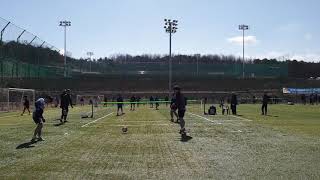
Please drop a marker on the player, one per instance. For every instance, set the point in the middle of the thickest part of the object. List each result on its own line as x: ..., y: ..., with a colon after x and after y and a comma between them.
x: 65, y: 102
x: 151, y: 101
x: 81, y: 101
x: 37, y: 117
x: 167, y: 100
x: 157, y: 102
x: 120, y: 104
x: 180, y: 103
x: 132, y: 104
x: 264, y: 107
x: 173, y: 109
x: 138, y: 101
x: 234, y: 103
x: 26, y: 105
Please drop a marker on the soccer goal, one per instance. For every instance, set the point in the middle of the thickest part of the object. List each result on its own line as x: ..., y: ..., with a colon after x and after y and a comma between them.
x: 96, y: 100
x: 12, y: 99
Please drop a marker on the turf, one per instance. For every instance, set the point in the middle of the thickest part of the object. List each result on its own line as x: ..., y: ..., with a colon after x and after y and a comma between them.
x: 284, y: 145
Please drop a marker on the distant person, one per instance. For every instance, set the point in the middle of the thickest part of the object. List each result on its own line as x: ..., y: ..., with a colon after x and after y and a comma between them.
x: 234, y: 104
x: 304, y: 99
x: 157, y: 103
x: 105, y: 103
x: 65, y: 102
x: 311, y: 99
x: 26, y: 105
x: 254, y: 100
x: 138, y: 101
x: 38, y: 118
x: 166, y: 99
x: 132, y: 103
x: 265, y: 101
x: 81, y: 101
x: 151, y: 101
x: 120, y: 105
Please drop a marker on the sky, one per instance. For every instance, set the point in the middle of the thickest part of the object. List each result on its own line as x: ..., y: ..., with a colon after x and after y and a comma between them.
x: 278, y: 28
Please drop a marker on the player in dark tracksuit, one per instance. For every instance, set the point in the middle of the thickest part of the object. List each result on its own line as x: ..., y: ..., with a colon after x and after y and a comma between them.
x: 37, y: 117
x: 234, y: 103
x: 264, y: 107
x: 133, y: 103
x: 180, y: 103
x: 26, y: 105
x: 120, y: 105
x: 65, y: 102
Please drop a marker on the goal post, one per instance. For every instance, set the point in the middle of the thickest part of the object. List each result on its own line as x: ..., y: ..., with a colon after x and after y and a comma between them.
x: 11, y: 99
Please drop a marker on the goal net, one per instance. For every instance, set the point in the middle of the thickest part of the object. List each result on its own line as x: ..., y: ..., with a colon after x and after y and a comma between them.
x: 12, y: 99
x: 83, y: 100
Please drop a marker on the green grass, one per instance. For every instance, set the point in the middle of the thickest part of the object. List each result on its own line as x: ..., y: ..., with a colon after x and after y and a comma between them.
x: 284, y: 145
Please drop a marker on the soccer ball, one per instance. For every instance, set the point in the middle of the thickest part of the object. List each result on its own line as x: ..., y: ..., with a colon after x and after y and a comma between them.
x: 124, y: 130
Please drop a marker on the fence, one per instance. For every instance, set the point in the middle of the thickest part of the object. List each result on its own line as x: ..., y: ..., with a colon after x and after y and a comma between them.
x: 25, y: 55
x: 202, y: 70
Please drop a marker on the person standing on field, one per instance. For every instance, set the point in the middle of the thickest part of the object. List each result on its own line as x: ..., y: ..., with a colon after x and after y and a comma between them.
x: 37, y: 117
x: 65, y: 102
x: 234, y: 103
x: 264, y: 107
x: 26, y: 105
x: 180, y: 103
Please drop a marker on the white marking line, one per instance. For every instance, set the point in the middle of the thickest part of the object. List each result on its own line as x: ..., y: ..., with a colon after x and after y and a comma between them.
x: 244, y: 119
x: 204, y: 118
x: 142, y: 125
x: 97, y: 120
x: 10, y: 116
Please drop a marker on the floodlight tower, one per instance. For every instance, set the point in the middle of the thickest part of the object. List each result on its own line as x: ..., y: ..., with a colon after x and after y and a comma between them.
x: 243, y: 28
x: 65, y: 24
x: 90, y: 54
x: 171, y: 28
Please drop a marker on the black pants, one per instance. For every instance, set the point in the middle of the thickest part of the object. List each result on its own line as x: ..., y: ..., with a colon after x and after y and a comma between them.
x: 264, y: 109
x: 234, y: 109
x: 64, y: 113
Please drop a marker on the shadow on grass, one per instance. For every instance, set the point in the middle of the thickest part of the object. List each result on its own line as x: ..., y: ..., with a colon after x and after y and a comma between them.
x: 59, y: 124
x: 186, y: 139
x: 26, y: 145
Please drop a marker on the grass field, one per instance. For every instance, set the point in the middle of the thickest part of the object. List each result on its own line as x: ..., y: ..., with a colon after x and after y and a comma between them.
x: 284, y: 145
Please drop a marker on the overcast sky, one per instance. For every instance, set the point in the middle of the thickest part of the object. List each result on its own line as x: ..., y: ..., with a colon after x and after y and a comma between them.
x: 278, y: 28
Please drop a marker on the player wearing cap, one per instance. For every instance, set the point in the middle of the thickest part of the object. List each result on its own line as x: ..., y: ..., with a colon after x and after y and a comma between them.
x: 65, y: 102
x: 37, y: 117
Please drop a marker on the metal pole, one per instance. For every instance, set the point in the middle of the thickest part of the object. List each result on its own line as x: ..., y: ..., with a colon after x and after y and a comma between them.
x: 170, y: 60
x: 2, y: 31
x: 20, y: 35
x: 32, y: 40
x: 65, y: 51
x: 243, y: 74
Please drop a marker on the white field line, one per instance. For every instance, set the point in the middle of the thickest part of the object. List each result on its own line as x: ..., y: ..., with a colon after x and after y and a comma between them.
x: 203, y: 118
x: 97, y: 120
x: 16, y: 115
x: 141, y: 125
x: 244, y: 119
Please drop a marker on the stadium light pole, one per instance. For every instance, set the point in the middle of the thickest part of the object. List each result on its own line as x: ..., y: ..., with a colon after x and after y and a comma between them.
x: 90, y: 54
x: 65, y: 24
x: 243, y: 28
x: 171, y: 28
